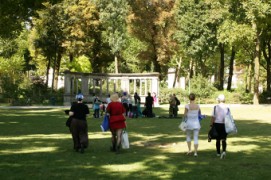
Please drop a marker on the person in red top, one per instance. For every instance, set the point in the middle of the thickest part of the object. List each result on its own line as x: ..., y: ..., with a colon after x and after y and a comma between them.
x: 116, y: 111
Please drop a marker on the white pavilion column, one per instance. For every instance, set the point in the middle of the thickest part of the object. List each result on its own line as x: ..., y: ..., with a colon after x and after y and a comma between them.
x: 125, y: 84
x: 84, y: 85
x: 140, y: 87
x: 107, y: 87
x: 101, y: 87
x: 115, y: 85
x: 146, y: 87
x: 154, y: 85
x: 134, y: 85
x: 94, y: 85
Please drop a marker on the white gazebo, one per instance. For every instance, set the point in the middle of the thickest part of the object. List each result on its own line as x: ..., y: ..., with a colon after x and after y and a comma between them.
x: 103, y: 84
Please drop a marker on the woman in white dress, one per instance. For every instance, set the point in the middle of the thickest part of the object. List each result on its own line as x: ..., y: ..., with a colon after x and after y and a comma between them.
x: 191, y: 113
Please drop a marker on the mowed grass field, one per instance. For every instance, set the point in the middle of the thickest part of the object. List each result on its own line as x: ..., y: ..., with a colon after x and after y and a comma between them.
x: 36, y: 144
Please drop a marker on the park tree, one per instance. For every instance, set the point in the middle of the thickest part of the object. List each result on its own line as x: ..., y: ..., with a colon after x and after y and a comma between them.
x: 113, y: 18
x: 233, y: 33
x: 257, y: 12
x: 133, y: 64
x: 152, y: 23
x: 16, y: 14
x: 14, y: 65
x: 265, y: 39
x: 47, y: 38
x: 196, y: 36
x: 82, y: 32
x: 266, y: 50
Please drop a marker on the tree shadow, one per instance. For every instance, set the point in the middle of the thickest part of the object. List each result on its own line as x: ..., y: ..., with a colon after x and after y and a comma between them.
x: 38, y: 145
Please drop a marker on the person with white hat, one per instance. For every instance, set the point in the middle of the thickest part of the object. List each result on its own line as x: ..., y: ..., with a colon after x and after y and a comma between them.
x: 217, y: 120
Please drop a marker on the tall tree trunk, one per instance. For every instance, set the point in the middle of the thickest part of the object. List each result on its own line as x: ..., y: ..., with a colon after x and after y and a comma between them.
x: 191, y: 69
x: 267, y: 57
x: 53, y: 75
x: 256, y: 65
x: 177, y: 72
x: 268, y: 70
x: 249, y: 78
x: 57, y: 68
x: 116, y: 65
x: 71, y: 57
x: 231, y: 69
x: 221, y: 69
x: 47, y: 73
x: 156, y: 65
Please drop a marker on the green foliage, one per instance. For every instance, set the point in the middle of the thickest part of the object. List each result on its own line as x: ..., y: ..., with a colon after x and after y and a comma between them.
x: 201, y: 87
x: 160, y: 32
x: 238, y: 96
x: 113, y: 17
x: 164, y: 93
x: 130, y: 54
x: 11, y: 76
x: 80, y: 64
x: 265, y: 97
x: 12, y: 24
x: 206, y: 93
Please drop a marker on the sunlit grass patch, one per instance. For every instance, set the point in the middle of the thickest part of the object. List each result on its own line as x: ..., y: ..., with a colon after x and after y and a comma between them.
x: 36, y: 144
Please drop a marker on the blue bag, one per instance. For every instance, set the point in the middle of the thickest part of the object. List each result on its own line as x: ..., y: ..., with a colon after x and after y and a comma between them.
x: 105, y: 123
x: 201, y: 116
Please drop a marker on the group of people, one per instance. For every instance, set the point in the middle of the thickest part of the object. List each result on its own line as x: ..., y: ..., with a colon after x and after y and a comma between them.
x: 79, y: 129
x: 131, y: 105
x: 116, y: 107
x: 192, y: 112
x: 117, y: 121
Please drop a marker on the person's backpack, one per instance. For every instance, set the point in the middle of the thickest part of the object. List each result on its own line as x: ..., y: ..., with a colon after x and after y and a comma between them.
x: 178, y: 101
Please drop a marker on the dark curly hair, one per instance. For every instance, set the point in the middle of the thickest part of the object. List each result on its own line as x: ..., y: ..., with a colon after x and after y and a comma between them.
x: 192, y: 96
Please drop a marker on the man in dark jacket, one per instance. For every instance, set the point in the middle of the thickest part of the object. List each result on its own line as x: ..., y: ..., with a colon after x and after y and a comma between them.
x: 149, y: 104
x: 78, y: 127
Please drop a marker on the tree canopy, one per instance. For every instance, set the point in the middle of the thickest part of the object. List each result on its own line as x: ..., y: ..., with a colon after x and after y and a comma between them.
x: 210, y: 38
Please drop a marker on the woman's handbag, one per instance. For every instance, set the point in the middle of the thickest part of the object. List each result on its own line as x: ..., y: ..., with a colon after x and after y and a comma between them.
x: 183, y: 125
x: 105, y: 123
x: 125, y: 140
x: 212, y: 134
x: 230, y: 126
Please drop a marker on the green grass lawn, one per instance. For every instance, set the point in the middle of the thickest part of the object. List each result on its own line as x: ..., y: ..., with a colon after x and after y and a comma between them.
x: 36, y: 144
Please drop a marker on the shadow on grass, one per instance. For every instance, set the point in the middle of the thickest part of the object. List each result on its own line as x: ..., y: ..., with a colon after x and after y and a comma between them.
x: 38, y: 145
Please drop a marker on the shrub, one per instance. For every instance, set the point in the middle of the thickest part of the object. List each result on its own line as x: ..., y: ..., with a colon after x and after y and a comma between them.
x: 265, y: 97
x: 181, y: 94
x: 201, y: 87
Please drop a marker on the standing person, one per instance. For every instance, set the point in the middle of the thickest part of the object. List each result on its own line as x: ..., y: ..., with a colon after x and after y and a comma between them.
x: 191, y: 112
x: 217, y: 120
x: 176, y: 109
x: 155, y: 99
x: 130, y: 105
x: 124, y: 101
x: 149, y: 105
x: 79, y: 129
x: 137, y: 101
x: 172, y: 105
x: 96, y: 106
x: 115, y: 109
x: 108, y: 100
